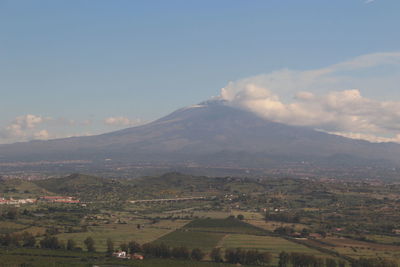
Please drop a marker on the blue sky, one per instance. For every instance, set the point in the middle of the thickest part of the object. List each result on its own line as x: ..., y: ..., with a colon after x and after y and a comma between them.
x: 85, y: 67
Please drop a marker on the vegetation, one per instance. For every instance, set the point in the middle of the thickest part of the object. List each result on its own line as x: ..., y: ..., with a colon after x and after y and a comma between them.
x: 276, y: 222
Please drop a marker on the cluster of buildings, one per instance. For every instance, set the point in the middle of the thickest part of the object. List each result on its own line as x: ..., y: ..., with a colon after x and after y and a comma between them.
x: 52, y: 199
x: 12, y: 201
x: 124, y: 255
x: 59, y: 199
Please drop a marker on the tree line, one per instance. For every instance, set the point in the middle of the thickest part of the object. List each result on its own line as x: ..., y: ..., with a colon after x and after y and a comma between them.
x: 305, y: 260
x: 161, y: 250
x: 28, y: 240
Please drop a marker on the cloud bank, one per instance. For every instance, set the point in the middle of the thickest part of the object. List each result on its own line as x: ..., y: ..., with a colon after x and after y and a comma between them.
x: 122, y: 121
x: 325, y: 98
x: 25, y: 128
x: 36, y: 127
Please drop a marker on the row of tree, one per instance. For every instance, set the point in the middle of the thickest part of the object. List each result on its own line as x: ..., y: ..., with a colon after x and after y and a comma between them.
x: 162, y: 250
x: 306, y: 260
x: 242, y: 256
x: 25, y: 239
x: 28, y: 240
x: 373, y: 262
x: 235, y: 256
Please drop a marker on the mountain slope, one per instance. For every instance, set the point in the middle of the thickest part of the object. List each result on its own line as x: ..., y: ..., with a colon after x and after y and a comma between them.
x: 211, y: 132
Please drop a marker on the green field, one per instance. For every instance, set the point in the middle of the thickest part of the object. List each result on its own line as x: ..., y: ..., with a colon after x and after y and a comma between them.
x: 9, y: 227
x: 266, y: 243
x: 47, y: 258
x: 204, y: 241
x: 227, y: 225
x: 123, y: 233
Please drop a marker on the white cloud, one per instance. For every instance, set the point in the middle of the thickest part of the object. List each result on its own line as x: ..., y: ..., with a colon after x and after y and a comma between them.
x: 369, y: 1
x: 322, y: 99
x: 24, y: 128
x: 122, y: 121
x: 34, y: 127
x: 42, y: 135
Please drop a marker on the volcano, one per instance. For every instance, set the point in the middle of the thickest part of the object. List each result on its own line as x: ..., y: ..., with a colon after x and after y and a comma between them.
x: 213, y: 133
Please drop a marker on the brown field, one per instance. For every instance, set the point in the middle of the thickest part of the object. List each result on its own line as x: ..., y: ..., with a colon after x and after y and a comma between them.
x: 272, y: 225
x: 356, y: 249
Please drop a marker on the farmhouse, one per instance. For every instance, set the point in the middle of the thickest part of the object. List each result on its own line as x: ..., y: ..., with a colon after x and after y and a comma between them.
x: 121, y: 255
x: 136, y: 256
x: 12, y: 201
x: 59, y: 199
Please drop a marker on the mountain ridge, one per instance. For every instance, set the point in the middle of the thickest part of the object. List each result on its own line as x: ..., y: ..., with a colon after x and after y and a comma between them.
x: 209, y: 132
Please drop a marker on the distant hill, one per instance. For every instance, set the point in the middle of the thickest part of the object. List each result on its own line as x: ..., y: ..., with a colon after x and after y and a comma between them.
x: 211, y: 134
x: 86, y: 187
x: 92, y: 188
x: 19, y: 186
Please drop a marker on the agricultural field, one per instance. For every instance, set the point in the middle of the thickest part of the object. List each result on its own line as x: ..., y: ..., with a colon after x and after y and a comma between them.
x: 272, y: 225
x: 272, y: 244
x: 354, y: 248
x: 34, y: 258
x: 190, y: 239
x: 227, y: 225
x: 308, y: 217
x: 9, y: 227
x: 124, y: 233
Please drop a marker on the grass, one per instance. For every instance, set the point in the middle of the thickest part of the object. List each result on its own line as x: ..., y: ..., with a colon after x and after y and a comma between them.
x: 39, y: 261
x: 224, y: 214
x: 62, y: 258
x: 385, y: 239
x: 123, y: 233
x: 265, y: 243
x: 227, y: 225
x: 9, y: 227
x: 356, y: 249
x: 271, y: 244
x: 272, y: 225
x: 204, y: 241
x: 35, y: 230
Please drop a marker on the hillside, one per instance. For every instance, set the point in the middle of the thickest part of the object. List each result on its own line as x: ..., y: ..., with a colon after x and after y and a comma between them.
x: 86, y: 187
x: 23, y: 187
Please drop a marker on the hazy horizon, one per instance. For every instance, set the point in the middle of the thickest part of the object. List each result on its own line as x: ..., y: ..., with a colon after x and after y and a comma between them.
x: 84, y: 68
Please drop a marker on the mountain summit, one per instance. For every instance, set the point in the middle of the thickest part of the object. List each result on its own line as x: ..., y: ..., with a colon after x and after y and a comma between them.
x: 210, y: 133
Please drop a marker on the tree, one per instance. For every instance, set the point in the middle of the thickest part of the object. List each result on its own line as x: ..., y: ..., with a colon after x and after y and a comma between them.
x: 305, y: 232
x: 71, y: 244
x: 265, y: 258
x: 163, y: 251
x: 330, y: 262
x: 124, y: 247
x: 251, y: 257
x: 50, y: 242
x: 12, y: 213
x: 28, y: 240
x: 215, y: 255
x: 110, y: 246
x: 180, y: 253
x: 197, y: 254
x: 89, y: 243
x: 286, y: 230
x: 240, y: 217
x: 235, y: 255
x: 230, y: 255
x: 283, y: 259
x: 134, y: 247
x: 11, y: 240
